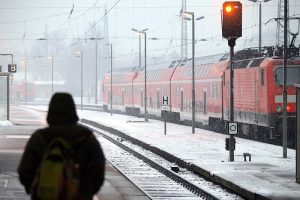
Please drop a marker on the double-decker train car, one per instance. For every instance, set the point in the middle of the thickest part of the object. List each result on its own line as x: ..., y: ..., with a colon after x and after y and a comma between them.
x: 258, y: 80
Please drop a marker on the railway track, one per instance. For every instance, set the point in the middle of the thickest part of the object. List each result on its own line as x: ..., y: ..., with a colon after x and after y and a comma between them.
x: 153, y: 174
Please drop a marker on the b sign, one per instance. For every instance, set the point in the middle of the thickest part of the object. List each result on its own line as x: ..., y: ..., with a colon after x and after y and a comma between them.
x: 165, y: 101
x: 12, y: 68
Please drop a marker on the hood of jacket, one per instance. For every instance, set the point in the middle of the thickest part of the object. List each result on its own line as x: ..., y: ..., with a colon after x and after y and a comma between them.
x: 62, y: 110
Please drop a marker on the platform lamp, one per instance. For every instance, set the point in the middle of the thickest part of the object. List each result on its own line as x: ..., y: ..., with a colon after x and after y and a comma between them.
x: 143, y: 32
x: 185, y: 14
x: 96, y: 65
x: 79, y: 53
x: 111, y: 78
x: 51, y: 58
x: 259, y: 27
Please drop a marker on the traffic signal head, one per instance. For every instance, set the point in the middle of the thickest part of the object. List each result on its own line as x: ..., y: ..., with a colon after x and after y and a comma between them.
x: 232, y: 19
x: 227, y: 140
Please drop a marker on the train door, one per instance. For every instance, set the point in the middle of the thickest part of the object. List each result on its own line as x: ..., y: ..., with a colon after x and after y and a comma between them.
x: 109, y: 96
x: 204, y: 103
x: 256, y: 98
x: 123, y: 97
x: 142, y: 95
x: 181, y: 101
x: 157, y: 99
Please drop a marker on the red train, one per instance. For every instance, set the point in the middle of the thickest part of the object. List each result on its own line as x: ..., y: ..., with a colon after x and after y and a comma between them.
x: 258, y: 79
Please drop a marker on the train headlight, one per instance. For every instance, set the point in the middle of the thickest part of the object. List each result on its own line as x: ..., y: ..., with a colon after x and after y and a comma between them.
x: 278, y: 108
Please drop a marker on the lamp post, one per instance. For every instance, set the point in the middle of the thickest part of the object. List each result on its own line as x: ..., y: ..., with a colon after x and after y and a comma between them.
x: 143, y: 32
x: 81, y: 77
x: 96, y: 67
x: 25, y: 80
x: 259, y: 27
x: 51, y: 58
x: 111, y: 78
x: 185, y: 13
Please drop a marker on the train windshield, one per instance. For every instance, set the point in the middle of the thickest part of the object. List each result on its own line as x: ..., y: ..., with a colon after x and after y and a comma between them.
x: 293, y: 75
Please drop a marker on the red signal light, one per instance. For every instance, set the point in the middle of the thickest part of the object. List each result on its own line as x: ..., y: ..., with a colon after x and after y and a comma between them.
x: 288, y: 108
x: 228, y: 8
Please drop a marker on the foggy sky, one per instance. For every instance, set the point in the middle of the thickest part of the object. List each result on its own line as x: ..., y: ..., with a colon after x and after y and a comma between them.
x: 32, y: 18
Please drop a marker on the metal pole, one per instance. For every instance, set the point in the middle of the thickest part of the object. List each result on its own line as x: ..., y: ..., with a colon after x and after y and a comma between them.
x: 146, y: 116
x: 165, y: 122
x: 193, y: 74
x: 25, y: 92
x: 96, y: 71
x: 284, y: 93
x: 7, y: 98
x: 231, y: 43
x: 140, y: 54
x: 81, y: 56
x: 298, y: 135
x: 12, y: 62
x: 8, y: 106
x: 259, y: 37
x: 111, y: 80
x: 52, y: 75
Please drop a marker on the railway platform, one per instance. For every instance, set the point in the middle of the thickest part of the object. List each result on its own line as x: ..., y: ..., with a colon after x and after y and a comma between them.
x: 13, y: 138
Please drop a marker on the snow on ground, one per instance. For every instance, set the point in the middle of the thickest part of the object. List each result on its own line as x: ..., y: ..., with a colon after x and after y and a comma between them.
x: 268, y: 174
x: 5, y: 123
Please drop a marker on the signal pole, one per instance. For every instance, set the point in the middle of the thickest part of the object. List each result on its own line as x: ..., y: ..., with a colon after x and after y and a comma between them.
x: 231, y: 43
x: 231, y: 29
x: 284, y: 93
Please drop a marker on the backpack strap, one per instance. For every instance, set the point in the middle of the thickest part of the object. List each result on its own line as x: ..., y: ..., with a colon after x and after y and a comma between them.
x: 51, y: 133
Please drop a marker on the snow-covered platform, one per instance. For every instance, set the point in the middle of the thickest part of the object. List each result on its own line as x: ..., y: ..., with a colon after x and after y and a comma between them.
x: 267, y: 176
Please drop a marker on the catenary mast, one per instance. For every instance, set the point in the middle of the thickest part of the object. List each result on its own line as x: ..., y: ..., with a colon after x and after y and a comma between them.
x: 183, y: 33
x: 280, y: 26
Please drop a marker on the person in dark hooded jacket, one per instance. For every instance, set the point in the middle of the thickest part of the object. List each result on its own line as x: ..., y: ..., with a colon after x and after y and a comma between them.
x: 62, y: 120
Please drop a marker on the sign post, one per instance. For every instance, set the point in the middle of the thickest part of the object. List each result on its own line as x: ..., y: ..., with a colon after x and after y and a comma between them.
x: 4, y: 100
x: 298, y: 134
x: 165, y: 107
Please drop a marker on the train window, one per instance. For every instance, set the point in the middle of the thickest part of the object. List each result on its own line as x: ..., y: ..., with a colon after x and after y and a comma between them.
x: 262, y: 77
x: 293, y: 74
x: 202, y: 70
x: 256, y: 62
x: 207, y: 67
x: 190, y: 73
x: 241, y: 64
x: 173, y: 64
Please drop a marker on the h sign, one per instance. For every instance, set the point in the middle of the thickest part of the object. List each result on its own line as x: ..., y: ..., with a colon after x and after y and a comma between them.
x: 165, y: 101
